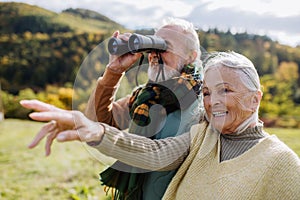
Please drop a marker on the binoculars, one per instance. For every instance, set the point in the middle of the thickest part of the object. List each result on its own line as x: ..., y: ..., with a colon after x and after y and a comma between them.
x: 136, y: 43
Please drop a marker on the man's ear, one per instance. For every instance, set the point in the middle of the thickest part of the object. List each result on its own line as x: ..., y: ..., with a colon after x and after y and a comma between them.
x: 192, y: 57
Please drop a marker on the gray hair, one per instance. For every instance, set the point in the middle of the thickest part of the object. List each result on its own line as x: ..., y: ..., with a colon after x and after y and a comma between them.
x: 188, y: 29
x: 247, y: 73
x: 242, y: 65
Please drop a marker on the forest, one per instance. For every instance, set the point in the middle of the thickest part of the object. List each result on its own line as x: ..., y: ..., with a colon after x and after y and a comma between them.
x: 57, y: 58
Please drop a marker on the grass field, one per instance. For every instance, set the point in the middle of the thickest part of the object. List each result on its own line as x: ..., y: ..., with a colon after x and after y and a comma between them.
x: 71, y: 172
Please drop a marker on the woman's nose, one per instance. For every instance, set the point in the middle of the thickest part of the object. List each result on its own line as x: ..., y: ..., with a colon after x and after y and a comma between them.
x: 214, y: 99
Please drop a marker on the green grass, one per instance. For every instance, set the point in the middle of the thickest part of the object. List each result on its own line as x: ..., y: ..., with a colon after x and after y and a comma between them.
x: 71, y: 172
x: 289, y: 136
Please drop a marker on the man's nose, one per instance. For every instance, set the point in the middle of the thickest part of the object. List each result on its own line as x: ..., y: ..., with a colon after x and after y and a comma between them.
x: 153, y: 53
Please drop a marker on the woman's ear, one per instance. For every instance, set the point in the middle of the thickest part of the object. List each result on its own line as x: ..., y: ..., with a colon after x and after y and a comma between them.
x: 256, y: 100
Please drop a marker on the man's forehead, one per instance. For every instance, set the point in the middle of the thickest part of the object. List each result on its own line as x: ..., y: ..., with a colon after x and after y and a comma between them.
x: 178, y: 40
x: 171, y: 32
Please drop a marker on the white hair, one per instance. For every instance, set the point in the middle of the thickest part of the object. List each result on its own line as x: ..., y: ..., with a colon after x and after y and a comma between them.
x: 242, y: 65
x: 247, y: 73
x: 188, y: 28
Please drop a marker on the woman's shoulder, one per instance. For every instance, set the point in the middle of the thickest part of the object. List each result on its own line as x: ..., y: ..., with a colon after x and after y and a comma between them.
x: 280, y: 150
x: 198, y: 128
x: 283, y: 167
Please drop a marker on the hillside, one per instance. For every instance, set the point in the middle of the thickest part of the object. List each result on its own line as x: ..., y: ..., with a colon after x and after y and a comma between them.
x: 41, y: 49
x: 35, y: 42
x: 20, y: 17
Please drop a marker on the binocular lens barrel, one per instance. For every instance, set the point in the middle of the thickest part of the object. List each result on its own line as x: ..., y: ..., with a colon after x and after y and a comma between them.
x: 117, y: 46
x: 136, y: 43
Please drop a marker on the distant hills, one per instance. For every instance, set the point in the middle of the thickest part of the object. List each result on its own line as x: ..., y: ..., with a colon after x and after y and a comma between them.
x: 40, y: 49
x: 20, y: 17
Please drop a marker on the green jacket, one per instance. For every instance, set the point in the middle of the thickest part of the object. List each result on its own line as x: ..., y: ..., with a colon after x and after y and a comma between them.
x: 178, y: 122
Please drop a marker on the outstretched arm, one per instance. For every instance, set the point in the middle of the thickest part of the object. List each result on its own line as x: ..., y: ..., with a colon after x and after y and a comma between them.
x: 63, y: 125
x: 138, y: 151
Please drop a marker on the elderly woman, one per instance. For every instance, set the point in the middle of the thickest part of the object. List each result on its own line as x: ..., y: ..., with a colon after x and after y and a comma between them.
x: 231, y: 157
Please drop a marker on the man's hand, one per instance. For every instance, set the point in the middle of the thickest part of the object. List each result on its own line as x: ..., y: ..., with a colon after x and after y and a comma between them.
x: 63, y: 125
x: 122, y: 63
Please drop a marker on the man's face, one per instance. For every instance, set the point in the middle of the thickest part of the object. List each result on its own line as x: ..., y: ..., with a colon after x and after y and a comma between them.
x: 171, y: 69
x: 173, y: 58
x: 226, y: 99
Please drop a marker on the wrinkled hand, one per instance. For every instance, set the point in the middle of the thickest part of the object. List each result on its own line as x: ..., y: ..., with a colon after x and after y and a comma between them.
x: 63, y: 125
x: 124, y: 62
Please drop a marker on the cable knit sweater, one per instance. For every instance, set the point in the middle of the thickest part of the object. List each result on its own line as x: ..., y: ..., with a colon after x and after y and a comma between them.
x: 268, y: 170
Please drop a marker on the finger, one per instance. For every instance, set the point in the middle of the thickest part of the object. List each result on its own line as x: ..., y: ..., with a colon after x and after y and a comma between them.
x: 125, y: 36
x: 67, y: 136
x: 137, y: 55
x: 65, y: 117
x: 49, y: 142
x: 116, y: 33
x: 41, y: 134
x: 38, y: 105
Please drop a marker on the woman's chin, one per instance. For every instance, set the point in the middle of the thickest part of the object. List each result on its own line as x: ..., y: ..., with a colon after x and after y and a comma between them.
x: 219, y: 125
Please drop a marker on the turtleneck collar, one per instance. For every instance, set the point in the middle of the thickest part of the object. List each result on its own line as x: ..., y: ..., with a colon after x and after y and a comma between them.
x: 249, y: 134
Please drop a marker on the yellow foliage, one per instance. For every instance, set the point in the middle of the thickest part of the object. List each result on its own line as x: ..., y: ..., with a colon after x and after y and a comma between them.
x: 27, y: 35
x: 287, y: 71
x: 65, y: 96
x: 4, y: 60
x: 54, y: 100
x: 41, y: 36
x: 65, y: 93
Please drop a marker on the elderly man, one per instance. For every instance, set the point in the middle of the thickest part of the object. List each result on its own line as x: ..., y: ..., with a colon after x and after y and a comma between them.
x: 174, y: 84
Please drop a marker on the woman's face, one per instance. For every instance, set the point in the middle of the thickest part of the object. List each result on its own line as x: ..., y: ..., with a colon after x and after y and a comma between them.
x: 226, y: 99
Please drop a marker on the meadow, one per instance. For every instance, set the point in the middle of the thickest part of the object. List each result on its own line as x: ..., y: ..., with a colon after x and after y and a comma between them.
x: 71, y: 172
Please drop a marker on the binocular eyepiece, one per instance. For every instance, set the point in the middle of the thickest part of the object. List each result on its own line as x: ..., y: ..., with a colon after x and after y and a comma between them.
x: 136, y: 43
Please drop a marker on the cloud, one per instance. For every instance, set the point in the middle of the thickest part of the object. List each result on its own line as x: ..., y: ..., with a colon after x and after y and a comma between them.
x: 230, y: 18
x: 253, y: 16
x: 142, y: 14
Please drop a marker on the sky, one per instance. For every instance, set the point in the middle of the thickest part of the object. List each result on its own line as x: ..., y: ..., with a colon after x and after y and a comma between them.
x: 278, y: 19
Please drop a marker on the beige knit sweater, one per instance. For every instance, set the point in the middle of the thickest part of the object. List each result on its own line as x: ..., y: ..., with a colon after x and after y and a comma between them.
x: 269, y: 170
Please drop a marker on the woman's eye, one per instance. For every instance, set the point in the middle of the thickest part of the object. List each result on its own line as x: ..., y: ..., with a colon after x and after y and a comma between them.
x: 224, y: 90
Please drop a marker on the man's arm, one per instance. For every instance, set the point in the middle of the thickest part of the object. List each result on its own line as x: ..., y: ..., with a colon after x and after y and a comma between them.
x: 102, y: 106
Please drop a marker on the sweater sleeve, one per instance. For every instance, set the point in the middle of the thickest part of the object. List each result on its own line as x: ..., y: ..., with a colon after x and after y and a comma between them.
x: 102, y: 106
x: 156, y: 155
